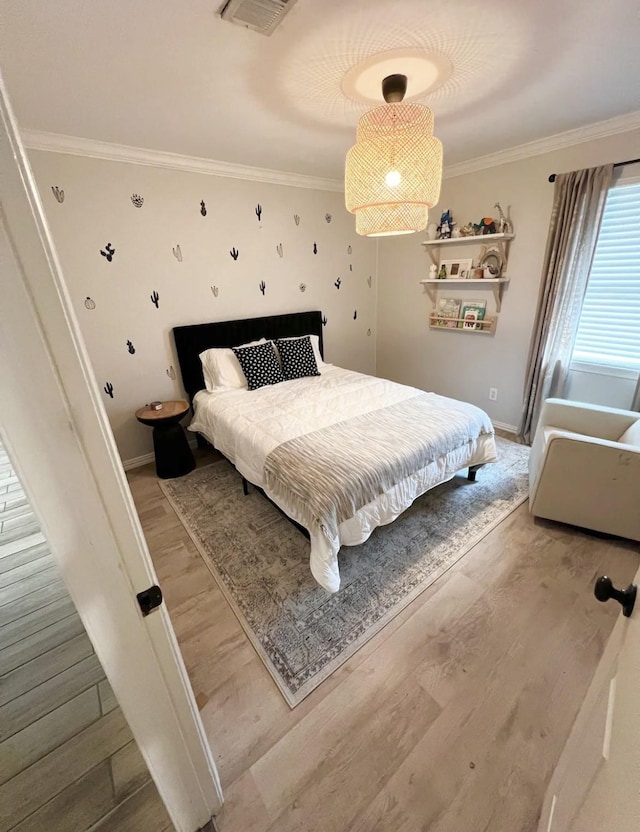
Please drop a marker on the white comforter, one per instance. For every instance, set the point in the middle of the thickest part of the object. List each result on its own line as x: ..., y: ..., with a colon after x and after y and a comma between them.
x: 247, y: 425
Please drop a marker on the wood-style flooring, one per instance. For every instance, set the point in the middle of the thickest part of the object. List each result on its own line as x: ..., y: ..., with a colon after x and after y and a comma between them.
x: 450, y: 719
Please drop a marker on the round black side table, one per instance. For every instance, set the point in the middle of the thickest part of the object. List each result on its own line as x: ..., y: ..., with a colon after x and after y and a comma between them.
x: 172, y: 451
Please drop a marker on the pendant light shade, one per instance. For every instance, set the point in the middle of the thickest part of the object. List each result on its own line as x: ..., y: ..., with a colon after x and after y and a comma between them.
x: 394, y: 170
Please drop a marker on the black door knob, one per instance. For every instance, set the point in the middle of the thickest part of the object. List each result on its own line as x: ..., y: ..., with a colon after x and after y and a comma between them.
x: 604, y: 590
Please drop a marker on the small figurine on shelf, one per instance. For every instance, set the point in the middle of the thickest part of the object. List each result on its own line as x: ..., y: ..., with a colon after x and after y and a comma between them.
x: 487, y: 225
x: 504, y: 223
x: 468, y: 230
x: 446, y: 226
x: 442, y: 274
x: 433, y: 272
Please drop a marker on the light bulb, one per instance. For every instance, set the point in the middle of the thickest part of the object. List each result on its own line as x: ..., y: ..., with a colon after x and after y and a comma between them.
x: 392, y: 178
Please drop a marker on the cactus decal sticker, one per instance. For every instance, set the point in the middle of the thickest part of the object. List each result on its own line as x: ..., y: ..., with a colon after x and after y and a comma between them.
x: 328, y: 217
x: 171, y: 372
x: 89, y: 303
x: 108, y: 389
x: 349, y: 249
x: 203, y: 208
x: 108, y: 252
x: 355, y: 314
x: 215, y: 291
x: 369, y: 281
x: 234, y: 253
x: 58, y: 193
x: 259, y: 212
x: 263, y: 287
x: 296, y: 219
x: 280, y: 250
x: 368, y: 332
x: 137, y: 200
x: 155, y: 298
x: 315, y: 248
x: 338, y: 283
x: 177, y: 253
x: 325, y: 320
x: 303, y: 287
x: 131, y: 348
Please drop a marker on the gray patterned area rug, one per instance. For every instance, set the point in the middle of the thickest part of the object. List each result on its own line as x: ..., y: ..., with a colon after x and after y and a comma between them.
x: 261, y: 562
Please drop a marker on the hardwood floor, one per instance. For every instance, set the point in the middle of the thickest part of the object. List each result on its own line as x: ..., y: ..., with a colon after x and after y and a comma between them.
x: 450, y: 719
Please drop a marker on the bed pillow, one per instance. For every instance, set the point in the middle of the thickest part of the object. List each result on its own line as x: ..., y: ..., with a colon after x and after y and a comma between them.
x: 259, y: 364
x: 315, y: 343
x: 222, y: 370
x: 298, y: 360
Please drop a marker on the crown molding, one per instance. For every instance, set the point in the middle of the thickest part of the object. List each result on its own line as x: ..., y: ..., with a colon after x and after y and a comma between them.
x: 94, y: 149
x: 599, y: 130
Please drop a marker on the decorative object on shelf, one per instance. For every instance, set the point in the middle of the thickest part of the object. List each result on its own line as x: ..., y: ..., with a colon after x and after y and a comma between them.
x: 487, y: 225
x: 445, y: 228
x: 491, y: 262
x: 447, y: 313
x: 458, y: 269
x: 433, y: 272
x: 473, y: 312
x: 156, y: 405
x: 442, y: 274
x: 468, y: 230
x: 505, y: 226
x: 394, y: 170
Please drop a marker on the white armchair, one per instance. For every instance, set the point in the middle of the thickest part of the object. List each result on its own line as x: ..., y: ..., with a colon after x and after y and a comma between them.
x: 584, y: 467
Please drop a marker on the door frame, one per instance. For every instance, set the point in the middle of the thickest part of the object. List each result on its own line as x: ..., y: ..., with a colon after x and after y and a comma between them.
x: 57, y: 435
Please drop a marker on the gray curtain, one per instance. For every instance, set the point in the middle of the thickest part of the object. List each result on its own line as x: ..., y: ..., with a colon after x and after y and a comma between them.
x: 578, y: 203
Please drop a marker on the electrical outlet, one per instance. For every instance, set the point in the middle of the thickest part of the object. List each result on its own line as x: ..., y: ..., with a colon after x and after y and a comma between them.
x: 493, y: 394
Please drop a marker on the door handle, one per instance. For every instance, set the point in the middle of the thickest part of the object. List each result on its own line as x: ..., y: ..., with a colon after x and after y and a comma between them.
x: 604, y: 589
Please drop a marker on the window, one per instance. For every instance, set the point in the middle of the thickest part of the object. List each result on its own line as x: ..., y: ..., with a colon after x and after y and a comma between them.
x: 609, y: 329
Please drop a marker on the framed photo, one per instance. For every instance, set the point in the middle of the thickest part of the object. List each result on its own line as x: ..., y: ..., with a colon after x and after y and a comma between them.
x: 456, y: 269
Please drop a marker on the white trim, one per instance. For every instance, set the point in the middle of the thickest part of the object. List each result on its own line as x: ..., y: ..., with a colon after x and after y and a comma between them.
x: 588, y: 133
x: 94, y: 149
x: 603, y: 370
x: 504, y: 426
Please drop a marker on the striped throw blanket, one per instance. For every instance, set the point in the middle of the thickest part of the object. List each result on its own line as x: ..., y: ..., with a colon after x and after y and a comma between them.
x: 326, y: 476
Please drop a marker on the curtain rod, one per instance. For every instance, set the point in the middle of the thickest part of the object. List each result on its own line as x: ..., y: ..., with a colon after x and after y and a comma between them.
x: 552, y: 178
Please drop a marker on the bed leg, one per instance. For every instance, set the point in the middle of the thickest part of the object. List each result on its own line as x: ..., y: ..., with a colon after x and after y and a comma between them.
x: 473, y: 470
x: 245, y: 487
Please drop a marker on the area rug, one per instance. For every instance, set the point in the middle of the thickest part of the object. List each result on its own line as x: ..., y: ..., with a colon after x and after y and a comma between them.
x: 261, y: 562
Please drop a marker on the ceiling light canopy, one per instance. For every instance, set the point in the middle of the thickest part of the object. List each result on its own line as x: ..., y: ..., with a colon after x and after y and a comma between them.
x: 394, y: 170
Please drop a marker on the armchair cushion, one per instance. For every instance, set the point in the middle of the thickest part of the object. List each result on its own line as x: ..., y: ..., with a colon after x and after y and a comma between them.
x: 580, y: 470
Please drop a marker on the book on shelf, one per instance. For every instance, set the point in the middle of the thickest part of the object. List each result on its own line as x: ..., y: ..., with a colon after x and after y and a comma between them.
x: 472, y: 314
x: 447, y: 313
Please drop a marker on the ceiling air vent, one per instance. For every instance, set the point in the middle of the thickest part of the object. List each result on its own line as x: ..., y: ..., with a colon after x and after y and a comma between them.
x: 260, y: 15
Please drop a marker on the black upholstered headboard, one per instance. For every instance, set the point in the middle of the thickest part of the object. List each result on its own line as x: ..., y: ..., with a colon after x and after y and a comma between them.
x: 194, y: 339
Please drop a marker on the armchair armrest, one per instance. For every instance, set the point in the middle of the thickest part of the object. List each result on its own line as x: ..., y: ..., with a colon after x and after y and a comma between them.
x: 587, y: 419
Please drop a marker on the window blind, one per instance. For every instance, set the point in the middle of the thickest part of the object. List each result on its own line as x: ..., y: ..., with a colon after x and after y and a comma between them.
x: 609, y: 329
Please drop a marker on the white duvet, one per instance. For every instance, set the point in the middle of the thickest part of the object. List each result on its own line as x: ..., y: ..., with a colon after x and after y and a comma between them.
x: 247, y: 425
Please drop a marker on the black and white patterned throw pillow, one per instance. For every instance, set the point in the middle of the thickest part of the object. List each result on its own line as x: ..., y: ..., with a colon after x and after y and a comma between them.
x: 259, y: 364
x: 298, y: 360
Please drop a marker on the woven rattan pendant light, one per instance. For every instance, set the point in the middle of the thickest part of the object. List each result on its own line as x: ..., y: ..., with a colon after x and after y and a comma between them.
x: 393, y: 171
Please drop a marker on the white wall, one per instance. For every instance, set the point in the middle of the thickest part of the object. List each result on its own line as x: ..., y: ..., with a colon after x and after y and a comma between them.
x: 97, y: 209
x: 466, y: 365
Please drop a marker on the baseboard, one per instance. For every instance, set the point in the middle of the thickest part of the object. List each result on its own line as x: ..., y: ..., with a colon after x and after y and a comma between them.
x: 145, y: 459
x: 503, y: 426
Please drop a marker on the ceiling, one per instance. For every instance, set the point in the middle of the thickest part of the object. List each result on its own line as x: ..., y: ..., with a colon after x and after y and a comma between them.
x: 173, y: 76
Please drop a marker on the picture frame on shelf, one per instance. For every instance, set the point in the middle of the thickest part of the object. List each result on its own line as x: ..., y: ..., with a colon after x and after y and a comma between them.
x: 459, y: 269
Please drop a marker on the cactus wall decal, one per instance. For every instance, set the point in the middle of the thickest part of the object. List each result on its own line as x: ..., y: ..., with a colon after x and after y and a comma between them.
x: 328, y: 217
x: 350, y: 267
x: 349, y: 249
x: 58, y: 193
x: 324, y: 320
x: 338, y: 283
x: 303, y: 287
x: 296, y: 219
x: 315, y: 248
x: 262, y: 286
x: 177, y: 253
x: 171, y: 372
x: 90, y: 303
x: 108, y: 252
x: 203, y: 208
x: 155, y: 298
x: 137, y: 200
x: 355, y: 314
x: 234, y: 253
x: 259, y: 211
x: 131, y: 348
x: 215, y: 291
x: 368, y: 332
x: 369, y: 281
x: 108, y: 389
x: 280, y: 250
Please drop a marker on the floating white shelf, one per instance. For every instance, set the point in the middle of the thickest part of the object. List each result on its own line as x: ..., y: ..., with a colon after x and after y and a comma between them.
x: 432, y: 247
x: 496, y: 284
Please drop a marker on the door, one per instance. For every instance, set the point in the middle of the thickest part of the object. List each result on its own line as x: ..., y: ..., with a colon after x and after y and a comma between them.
x: 55, y: 430
x: 596, y: 784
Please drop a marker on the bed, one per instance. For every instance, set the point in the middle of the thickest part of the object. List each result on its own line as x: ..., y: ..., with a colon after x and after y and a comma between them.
x: 340, y: 453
